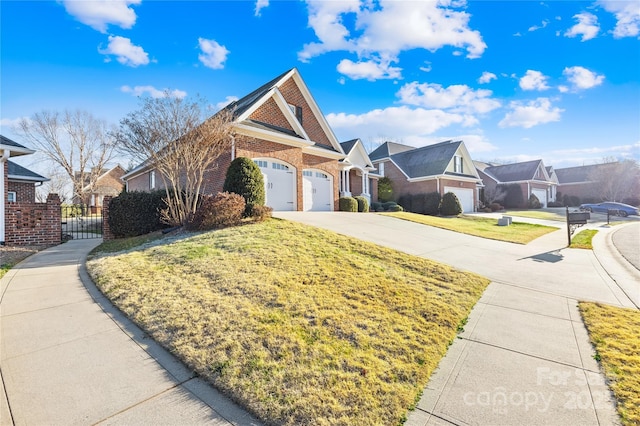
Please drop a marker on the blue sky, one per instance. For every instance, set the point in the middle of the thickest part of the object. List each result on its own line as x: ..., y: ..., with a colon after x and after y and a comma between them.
x: 516, y: 80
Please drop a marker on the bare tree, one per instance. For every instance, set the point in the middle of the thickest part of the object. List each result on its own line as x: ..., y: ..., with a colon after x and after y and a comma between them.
x: 58, y: 184
x: 76, y: 141
x: 616, y: 180
x: 170, y: 136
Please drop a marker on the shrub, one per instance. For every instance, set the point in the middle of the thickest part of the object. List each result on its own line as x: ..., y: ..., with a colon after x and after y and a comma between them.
x: 395, y: 208
x: 406, y: 201
x: 554, y: 204
x: 432, y: 203
x: 534, y: 202
x: 513, y: 197
x: 363, y: 204
x: 376, y: 206
x: 385, y: 190
x: 450, y: 205
x: 387, y: 206
x: 245, y: 178
x: 136, y: 213
x: 261, y: 213
x: 348, y: 204
x: 219, y: 211
x: 495, y: 207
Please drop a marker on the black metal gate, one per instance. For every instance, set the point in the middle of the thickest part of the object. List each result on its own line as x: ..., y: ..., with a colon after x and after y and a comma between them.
x: 80, y: 221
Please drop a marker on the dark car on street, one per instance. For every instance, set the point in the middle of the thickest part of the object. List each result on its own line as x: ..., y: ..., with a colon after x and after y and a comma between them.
x: 618, y: 209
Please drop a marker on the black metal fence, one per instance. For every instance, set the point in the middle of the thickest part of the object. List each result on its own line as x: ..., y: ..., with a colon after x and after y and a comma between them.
x: 80, y: 221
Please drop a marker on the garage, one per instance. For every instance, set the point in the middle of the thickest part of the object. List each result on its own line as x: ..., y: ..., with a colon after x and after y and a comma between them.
x: 541, y: 194
x: 279, y: 183
x: 465, y: 196
x: 317, y: 190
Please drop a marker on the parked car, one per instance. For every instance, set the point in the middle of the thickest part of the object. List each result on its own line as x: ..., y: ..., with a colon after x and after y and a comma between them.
x: 619, y: 209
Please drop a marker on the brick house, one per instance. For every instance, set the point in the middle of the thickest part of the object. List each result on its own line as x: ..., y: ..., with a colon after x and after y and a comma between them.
x: 356, y: 175
x: 442, y: 167
x: 280, y: 127
x: 108, y: 183
x: 532, y: 177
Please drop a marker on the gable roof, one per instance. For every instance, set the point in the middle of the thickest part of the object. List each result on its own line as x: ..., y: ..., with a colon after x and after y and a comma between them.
x: 387, y: 149
x: 17, y: 172
x: 515, y: 172
x: 356, y: 154
x: 13, y: 147
x: 348, y: 145
x: 578, y: 174
x: 430, y: 160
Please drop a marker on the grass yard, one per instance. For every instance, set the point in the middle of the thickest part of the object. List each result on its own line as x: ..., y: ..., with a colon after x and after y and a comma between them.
x: 539, y: 214
x: 521, y: 233
x: 298, y: 324
x: 615, y: 333
x: 582, y: 239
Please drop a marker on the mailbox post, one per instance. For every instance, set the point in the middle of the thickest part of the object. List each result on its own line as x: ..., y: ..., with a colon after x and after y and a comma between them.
x: 574, y: 221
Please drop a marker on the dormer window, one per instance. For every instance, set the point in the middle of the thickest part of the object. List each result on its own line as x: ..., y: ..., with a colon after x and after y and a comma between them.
x: 457, y: 164
x: 297, y: 111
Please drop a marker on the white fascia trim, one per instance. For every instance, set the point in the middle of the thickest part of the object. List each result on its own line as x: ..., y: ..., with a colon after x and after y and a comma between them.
x: 364, y: 154
x: 288, y: 114
x: 449, y: 177
x: 136, y: 172
x: 321, y: 152
x: 267, y: 135
x: 25, y: 179
x: 15, y: 151
x: 316, y: 110
x: 467, y: 156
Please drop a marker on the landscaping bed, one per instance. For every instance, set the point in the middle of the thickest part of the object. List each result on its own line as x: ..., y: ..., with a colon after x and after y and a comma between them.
x: 298, y: 324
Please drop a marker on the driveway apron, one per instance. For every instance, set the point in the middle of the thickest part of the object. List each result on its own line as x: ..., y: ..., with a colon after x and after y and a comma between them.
x: 524, y: 356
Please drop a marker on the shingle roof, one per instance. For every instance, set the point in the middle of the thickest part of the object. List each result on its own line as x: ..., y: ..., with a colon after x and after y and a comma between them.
x: 16, y: 171
x: 514, y: 172
x: 9, y: 142
x: 348, y: 145
x: 388, y: 149
x: 576, y: 174
x: 429, y: 160
x: 241, y: 105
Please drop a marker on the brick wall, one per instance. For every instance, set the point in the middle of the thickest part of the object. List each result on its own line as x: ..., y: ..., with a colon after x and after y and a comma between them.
x: 34, y: 223
x: 106, y: 229
x: 25, y: 191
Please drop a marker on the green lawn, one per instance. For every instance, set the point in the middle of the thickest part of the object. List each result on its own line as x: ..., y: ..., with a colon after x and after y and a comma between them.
x: 615, y: 334
x: 298, y: 324
x: 538, y: 214
x: 520, y: 233
x: 583, y: 239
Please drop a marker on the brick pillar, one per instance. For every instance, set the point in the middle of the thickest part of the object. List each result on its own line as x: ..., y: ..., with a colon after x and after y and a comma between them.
x: 54, y: 220
x: 106, y: 230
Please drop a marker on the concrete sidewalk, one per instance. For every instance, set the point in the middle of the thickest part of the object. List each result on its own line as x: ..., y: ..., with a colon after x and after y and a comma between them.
x: 68, y: 357
x: 524, y: 357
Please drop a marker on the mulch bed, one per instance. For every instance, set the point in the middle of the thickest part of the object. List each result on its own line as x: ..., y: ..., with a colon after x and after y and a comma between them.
x: 10, y: 255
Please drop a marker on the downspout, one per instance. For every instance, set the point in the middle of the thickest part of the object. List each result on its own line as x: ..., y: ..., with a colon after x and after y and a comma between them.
x: 438, y: 184
x: 3, y: 161
x: 233, y: 147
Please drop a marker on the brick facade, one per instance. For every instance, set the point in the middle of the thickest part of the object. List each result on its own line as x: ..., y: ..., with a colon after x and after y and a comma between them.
x: 106, y: 229
x: 25, y: 191
x: 29, y: 223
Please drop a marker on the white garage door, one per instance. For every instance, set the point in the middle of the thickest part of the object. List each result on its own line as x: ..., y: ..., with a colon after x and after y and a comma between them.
x: 279, y: 184
x: 465, y: 196
x: 541, y: 194
x: 318, y: 191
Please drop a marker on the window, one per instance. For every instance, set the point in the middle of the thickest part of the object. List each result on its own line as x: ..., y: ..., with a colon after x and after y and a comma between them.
x: 279, y: 166
x: 297, y: 111
x: 321, y: 175
x: 308, y: 173
x: 261, y: 163
x: 11, y: 196
x: 381, y: 169
x: 457, y: 164
x: 152, y: 179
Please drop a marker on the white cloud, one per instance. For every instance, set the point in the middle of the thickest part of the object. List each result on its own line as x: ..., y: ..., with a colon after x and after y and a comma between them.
x: 261, y: 4
x: 587, y: 26
x: 426, y: 67
x: 225, y: 102
x: 153, y: 92
x: 582, y: 78
x: 458, y: 98
x: 534, y: 80
x: 384, y: 29
x: 11, y: 122
x: 125, y: 52
x: 486, y: 77
x: 370, y: 70
x: 213, y: 54
x: 529, y: 114
x: 542, y: 25
x: 627, y: 14
x: 98, y: 14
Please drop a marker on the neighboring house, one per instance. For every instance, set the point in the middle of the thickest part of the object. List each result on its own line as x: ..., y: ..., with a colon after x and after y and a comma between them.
x: 108, y: 183
x: 578, y: 182
x: 442, y: 167
x: 22, y: 183
x: 531, y: 176
x: 281, y: 128
x: 356, y: 176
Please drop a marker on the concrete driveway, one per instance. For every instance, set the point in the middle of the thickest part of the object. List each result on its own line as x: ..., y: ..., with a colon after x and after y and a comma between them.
x: 524, y: 356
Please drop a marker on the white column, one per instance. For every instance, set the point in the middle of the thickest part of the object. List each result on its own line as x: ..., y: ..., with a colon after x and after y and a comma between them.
x: 3, y: 161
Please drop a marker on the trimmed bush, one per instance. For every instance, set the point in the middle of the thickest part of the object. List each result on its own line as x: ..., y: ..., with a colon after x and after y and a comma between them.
x: 363, y: 204
x: 494, y: 207
x: 395, y: 208
x: 245, y: 178
x: 389, y: 204
x: 432, y: 203
x: 348, y: 204
x: 534, y: 202
x: 513, y: 198
x: 385, y: 189
x: 406, y: 201
x: 222, y: 210
x: 136, y: 213
x: 554, y: 204
x: 376, y: 206
x: 450, y: 205
x: 261, y: 213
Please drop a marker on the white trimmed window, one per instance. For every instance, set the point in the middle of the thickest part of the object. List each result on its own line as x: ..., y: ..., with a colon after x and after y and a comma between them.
x: 297, y: 111
x: 457, y: 164
x: 261, y: 163
x: 381, y: 169
x: 152, y: 179
x: 12, y: 196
